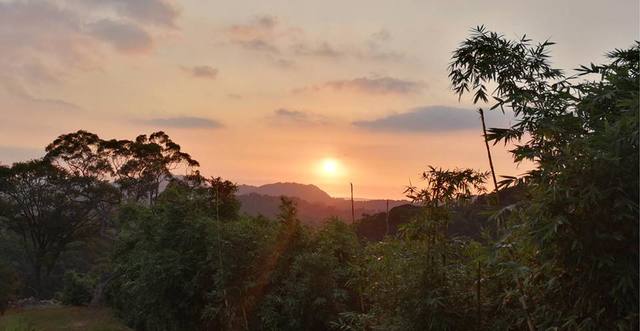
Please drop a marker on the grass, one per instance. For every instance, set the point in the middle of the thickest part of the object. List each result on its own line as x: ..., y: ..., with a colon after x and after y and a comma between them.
x: 60, y: 318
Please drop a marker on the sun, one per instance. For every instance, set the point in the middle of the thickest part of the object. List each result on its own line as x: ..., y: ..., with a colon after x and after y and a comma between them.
x: 330, y: 167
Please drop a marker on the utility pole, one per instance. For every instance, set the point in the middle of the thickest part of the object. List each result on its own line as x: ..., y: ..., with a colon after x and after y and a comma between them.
x: 387, y: 218
x: 486, y: 143
x: 479, y: 303
x: 353, y: 210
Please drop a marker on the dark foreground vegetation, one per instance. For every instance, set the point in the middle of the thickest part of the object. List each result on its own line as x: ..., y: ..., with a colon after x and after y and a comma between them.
x: 92, y: 223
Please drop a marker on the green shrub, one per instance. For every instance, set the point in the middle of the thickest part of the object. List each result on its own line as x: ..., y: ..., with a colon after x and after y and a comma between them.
x: 77, y: 290
x: 8, y: 285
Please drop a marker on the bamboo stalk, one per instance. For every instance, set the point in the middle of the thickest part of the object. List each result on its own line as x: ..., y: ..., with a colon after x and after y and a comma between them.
x: 486, y: 143
x: 479, y: 307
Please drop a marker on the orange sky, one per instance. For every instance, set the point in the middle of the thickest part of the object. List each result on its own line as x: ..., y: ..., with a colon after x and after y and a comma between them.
x: 264, y: 91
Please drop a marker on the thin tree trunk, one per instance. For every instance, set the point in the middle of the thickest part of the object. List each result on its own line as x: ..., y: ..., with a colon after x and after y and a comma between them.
x: 387, y: 218
x: 220, y: 263
x: 479, y: 307
x: 525, y: 307
x: 353, y: 211
x: 37, y: 273
x: 486, y: 143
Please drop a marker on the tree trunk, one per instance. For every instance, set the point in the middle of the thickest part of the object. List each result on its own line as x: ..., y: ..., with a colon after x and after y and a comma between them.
x: 98, y: 292
x: 37, y: 274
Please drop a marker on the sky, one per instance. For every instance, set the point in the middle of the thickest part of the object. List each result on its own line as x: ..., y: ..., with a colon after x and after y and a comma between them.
x: 323, y: 92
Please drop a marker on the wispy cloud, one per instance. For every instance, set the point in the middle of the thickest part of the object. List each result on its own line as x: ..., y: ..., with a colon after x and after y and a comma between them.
x: 323, y: 49
x: 158, y: 12
x: 430, y: 119
x: 37, y: 103
x: 123, y: 36
x: 182, y: 122
x: 268, y: 34
x: 202, y: 71
x: 45, y: 41
x: 259, y: 34
x: 368, y: 85
x: 284, y: 116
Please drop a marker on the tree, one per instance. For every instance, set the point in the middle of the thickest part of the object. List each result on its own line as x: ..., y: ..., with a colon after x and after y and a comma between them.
x: 167, y: 262
x: 138, y: 167
x: 49, y: 208
x: 150, y: 162
x: 573, y: 247
x: 444, y: 190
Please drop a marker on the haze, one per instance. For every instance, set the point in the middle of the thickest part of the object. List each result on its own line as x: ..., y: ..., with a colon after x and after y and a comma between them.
x: 322, y: 92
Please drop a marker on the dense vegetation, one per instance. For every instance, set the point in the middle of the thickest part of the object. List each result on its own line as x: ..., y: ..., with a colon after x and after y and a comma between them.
x: 107, y: 222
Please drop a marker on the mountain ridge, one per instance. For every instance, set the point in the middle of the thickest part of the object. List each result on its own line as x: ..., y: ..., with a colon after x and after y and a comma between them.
x: 314, y: 204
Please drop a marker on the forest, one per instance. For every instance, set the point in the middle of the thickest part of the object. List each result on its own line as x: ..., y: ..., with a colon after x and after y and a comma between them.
x: 134, y: 226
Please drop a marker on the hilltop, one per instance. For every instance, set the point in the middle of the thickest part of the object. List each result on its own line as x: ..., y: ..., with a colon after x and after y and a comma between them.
x: 314, y: 204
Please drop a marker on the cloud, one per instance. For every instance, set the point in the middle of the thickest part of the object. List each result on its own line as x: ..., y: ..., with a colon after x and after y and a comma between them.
x: 258, y: 44
x: 157, y: 12
x: 381, y: 36
x: 431, y: 119
x: 375, y: 85
x: 259, y: 26
x: 377, y: 48
x: 284, y: 116
x: 202, y: 71
x: 44, y: 35
x: 267, y: 34
x: 25, y: 101
x: 183, y: 122
x: 125, y: 37
x: 46, y: 41
x: 259, y: 34
x: 324, y: 49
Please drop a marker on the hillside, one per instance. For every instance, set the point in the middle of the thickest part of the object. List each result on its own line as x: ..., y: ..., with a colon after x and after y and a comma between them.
x: 308, y: 192
x: 314, y: 205
x: 467, y: 221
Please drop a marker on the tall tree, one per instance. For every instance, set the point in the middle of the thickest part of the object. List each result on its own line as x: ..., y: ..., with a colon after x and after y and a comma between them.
x: 139, y: 167
x: 49, y: 208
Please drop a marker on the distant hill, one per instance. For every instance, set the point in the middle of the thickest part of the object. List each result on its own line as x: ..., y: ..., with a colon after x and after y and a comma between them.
x: 467, y: 221
x: 307, y: 192
x: 314, y: 205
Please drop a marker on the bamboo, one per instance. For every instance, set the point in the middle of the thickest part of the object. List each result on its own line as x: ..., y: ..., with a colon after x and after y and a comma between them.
x: 479, y: 304
x: 486, y: 143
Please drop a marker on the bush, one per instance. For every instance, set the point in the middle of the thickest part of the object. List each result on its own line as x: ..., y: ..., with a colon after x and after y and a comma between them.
x: 8, y: 285
x: 77, y: 290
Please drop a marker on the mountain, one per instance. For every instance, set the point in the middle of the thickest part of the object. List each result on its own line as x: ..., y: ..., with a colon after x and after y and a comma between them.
x: 307, y: 192
x: 314, y: 205
x: 468, y: 220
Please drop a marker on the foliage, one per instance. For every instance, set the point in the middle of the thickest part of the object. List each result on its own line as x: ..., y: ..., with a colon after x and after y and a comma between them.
x: 78, y: 289
x: 564, y: 256
x: 138, y: 166
x: 310, y: 291
x: 575, y: 242
x: 8, y: 285
x: 49, y: 208
x: 61, y: 319
x: 178, y: 268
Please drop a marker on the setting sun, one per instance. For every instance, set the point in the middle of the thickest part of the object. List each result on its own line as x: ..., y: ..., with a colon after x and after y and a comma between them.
x: 330, y: 167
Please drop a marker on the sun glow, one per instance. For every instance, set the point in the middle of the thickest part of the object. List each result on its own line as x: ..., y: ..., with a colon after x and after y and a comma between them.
x: 330, y: 167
